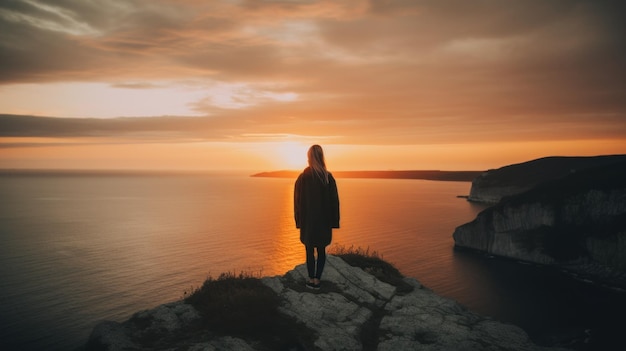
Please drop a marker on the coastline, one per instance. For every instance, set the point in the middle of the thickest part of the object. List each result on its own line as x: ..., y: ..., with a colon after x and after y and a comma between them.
x: 436, y: 175
x: 453, y: 176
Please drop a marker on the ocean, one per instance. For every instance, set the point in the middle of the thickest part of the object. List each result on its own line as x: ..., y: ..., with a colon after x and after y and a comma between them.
x: 78, y: 248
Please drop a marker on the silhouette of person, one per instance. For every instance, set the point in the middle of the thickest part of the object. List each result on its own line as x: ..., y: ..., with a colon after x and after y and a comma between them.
x: 316, y: 211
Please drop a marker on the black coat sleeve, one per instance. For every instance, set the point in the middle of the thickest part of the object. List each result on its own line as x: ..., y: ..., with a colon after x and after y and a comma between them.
x: 297, y: 201
x: 334, y: 202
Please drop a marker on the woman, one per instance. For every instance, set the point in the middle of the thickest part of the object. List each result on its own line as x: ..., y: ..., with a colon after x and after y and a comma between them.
x: 316, y: 210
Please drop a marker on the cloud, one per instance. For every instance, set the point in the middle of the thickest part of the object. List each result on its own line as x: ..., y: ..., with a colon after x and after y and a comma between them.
x: 382, y: 71
x: 234, y: 126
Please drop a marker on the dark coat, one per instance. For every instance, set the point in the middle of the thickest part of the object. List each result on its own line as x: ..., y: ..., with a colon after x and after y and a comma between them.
x: 316, y: 208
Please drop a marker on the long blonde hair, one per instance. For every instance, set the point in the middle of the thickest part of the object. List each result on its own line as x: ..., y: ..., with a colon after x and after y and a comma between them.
x: 317, y: 163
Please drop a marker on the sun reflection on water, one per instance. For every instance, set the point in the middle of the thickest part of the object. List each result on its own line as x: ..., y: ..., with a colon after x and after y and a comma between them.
x: 288, y: 251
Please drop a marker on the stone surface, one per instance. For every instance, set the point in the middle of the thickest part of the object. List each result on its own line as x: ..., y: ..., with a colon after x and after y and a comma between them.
x: 352, y: 305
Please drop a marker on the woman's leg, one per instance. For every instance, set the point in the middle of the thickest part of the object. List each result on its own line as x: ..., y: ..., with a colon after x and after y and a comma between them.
x: 310, y: 262
x: 321, y: 261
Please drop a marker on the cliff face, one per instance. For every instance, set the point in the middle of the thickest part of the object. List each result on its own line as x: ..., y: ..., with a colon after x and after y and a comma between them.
x: 352, y: 306
x: 491, y: 186
x: 578, y: 220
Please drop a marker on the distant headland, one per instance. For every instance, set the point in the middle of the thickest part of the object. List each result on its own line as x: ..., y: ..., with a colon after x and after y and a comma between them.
x: 453, y: 176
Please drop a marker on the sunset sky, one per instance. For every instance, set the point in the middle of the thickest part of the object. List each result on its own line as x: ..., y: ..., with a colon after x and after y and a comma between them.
x: 249, y: 85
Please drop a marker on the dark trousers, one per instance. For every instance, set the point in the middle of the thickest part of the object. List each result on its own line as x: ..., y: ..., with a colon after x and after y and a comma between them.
x: 315, y: 267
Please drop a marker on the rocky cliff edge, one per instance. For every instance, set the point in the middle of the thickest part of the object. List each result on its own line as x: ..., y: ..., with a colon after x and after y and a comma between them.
x: 577, y: 222
x: 354, y: 310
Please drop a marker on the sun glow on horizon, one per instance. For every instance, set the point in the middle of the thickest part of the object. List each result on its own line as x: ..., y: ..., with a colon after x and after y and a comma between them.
x: 291, y: 155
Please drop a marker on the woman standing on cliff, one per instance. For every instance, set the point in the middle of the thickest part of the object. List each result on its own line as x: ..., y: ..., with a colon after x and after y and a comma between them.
x: 316, y: 210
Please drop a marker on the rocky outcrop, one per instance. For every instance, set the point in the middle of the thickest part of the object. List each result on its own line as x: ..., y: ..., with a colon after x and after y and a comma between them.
x: 491, y: 186
x: 354, y: 310
x: 578, y: 221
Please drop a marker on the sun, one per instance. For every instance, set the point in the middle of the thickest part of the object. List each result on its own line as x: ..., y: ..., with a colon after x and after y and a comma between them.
x: 292, y: 155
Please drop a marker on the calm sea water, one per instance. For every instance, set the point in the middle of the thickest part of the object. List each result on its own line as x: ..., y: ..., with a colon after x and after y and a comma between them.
x: 76, y: 249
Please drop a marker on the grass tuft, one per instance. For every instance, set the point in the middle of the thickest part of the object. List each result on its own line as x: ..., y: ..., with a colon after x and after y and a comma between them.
x: 373, y: 263
x: 241, y: 305
x: 342, y: 250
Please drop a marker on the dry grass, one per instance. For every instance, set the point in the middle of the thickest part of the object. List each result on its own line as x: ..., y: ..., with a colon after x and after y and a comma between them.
x: 242, y: 306
x: 373, y: 263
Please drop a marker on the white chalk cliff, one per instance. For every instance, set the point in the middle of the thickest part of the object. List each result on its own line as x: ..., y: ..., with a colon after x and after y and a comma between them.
x: 577, y: 221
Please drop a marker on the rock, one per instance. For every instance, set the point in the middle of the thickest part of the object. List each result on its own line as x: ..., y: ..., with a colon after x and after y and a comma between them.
x: 222, y: 343
x: 109, y: 336
x: 336, y: 316
x: 424, y: 320
x: 491, y: 186
x: 352, y: 311
x: 578, y: 222
x: 164, y: 319
x: 169, y: 317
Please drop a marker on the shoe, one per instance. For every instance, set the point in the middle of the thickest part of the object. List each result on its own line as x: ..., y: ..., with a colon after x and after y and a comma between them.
x: 312, y: 286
